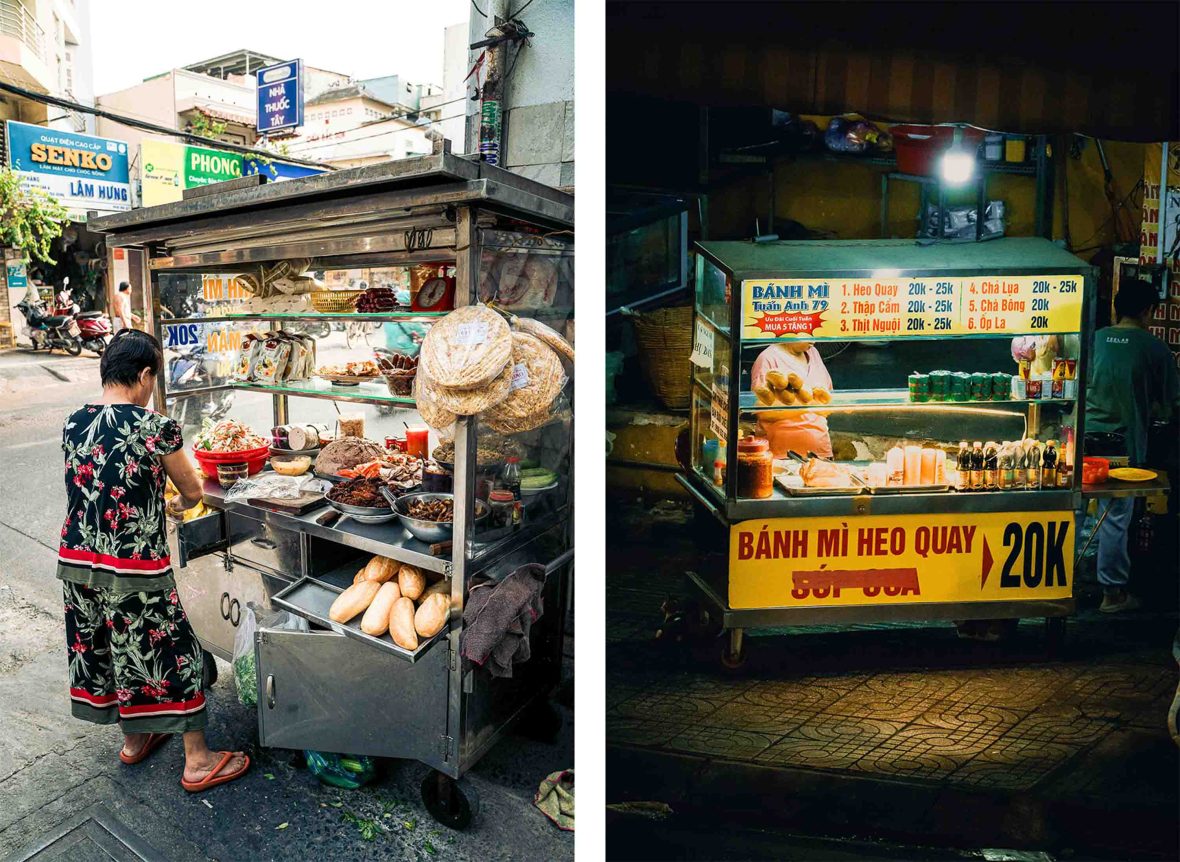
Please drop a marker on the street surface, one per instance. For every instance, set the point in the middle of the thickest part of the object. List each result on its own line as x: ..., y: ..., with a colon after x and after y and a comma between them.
x: 885, y: 741
x: 61, y: 783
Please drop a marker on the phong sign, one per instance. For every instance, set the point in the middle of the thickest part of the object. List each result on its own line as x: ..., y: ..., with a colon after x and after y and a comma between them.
x: 81, y: 172
x: 900, y: 559
x: 168, y: 169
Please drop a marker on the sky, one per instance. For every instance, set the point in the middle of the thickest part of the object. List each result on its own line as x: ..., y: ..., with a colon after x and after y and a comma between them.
x: 136, y: 39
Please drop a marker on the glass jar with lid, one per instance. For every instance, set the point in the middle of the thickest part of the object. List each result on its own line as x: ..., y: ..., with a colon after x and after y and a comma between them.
x: 755, y: 465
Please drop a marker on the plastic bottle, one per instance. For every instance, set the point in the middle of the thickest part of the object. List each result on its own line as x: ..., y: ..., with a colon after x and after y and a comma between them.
x: 510, y: 481
x: 963, y: 466
x: 977, y: 466
x: 1049, y: 465
x: 991, y: 466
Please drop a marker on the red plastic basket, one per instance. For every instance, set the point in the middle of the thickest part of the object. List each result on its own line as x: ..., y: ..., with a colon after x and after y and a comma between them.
x: 254, y: 459
x: 919, y: 147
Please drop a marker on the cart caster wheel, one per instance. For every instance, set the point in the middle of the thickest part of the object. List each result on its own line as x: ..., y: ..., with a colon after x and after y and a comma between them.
x: 733, y: 650
x: 208, y: 670
x: 685, y: 619
x: 454, y: 804
x: 542, y: 722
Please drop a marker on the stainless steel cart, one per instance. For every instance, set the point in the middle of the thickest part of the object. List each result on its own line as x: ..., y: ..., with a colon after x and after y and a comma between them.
x: 333, y: 688
x: 877, y: 311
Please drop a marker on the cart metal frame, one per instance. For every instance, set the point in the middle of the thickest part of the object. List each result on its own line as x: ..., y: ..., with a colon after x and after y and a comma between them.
x: 727, y: 509
x: 439, y: 709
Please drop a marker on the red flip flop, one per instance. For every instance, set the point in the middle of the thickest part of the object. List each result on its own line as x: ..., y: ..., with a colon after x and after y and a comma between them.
x: 213, y: 779
x: 155, y: 740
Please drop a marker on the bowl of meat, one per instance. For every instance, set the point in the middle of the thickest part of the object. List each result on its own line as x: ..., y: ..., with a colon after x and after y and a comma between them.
x: 430, y: 517
x: 361, y: 499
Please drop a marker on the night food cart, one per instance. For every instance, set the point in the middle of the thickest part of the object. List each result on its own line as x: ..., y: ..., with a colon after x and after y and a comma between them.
x: 928, y: 346
x: 333, y: 688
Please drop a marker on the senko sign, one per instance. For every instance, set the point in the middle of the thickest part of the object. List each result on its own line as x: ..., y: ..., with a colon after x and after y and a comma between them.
x: 280, y: 97
x: 81, y: 172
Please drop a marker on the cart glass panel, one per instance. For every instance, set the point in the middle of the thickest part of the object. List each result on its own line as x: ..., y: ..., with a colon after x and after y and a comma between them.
x: 906, y: 384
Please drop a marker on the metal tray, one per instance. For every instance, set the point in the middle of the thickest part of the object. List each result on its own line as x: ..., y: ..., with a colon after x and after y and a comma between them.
x: 850, y: 491
x: 909, y: 489
x: 311, y: 599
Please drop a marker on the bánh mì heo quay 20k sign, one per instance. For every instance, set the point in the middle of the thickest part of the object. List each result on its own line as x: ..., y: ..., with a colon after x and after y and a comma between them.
x: 81, y: 172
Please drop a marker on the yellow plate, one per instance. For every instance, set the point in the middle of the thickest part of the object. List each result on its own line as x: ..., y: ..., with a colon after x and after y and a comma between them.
x: 1132, y: 474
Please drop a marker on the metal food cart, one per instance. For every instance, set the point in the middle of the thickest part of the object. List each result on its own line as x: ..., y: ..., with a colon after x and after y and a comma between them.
x: 877, y: 312
x: 332, y: 688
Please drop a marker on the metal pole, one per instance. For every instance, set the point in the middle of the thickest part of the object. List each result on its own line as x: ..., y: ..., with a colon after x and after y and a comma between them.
x: 1163, y: 207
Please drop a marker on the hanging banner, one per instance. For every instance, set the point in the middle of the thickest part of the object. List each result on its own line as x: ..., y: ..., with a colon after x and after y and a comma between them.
x: 81, y: 172
x: 868, y: 308
x: 900, y: 559
x: 1166, y: 323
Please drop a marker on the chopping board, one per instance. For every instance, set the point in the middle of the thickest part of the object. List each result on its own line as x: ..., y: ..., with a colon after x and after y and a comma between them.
x: 301, y: 505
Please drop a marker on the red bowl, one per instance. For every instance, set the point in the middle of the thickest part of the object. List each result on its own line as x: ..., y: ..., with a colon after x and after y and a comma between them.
x: 1095, y: 471
x: 254, y: 459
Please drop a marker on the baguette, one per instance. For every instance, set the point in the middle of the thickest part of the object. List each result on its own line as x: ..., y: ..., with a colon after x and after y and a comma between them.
x: 432, y: 615
x: 360, y: 576
x: 411, y: 581
x: 442, y: 587
x: 764, y: 394
x: 381, y: 569
x: 376, y: 619
x: 776, y: 380
x: 786, y: 396
x: 353, y: 601
x: 401, y: 624
x: 794, y: 381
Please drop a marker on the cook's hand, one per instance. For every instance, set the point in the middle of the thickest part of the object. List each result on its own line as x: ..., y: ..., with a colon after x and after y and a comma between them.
x: 175, y: 508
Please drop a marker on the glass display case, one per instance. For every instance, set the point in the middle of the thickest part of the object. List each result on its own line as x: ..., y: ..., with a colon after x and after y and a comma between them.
x: 857, y: 404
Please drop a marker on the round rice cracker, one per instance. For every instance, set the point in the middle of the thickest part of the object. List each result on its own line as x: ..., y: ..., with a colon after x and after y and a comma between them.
x: 529, y: 405
x: 467, y: 349
x: 432, y: 413
x: 468, y: 402
x: 547, y: 334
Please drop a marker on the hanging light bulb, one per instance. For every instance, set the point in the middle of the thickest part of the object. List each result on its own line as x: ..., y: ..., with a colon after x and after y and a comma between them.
x: 958, y: 163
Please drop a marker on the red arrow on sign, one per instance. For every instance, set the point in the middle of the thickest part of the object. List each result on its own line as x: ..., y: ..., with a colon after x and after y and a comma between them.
x: 987, y: 563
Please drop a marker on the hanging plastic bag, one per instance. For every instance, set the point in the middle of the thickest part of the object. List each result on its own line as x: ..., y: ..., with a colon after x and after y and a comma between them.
x: 341, y: 770
x: 245, y: 663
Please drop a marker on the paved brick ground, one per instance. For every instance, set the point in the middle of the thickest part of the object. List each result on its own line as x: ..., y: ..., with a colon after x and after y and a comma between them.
x: 911, y: 709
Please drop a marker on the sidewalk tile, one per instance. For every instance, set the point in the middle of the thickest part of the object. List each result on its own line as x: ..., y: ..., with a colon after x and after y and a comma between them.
x: 723, y: 742
x: 924, y: 752
x: 829, y: 742
x: 960, y: 716
x: 1013, y: 764
x: 641, y: 731
x: 1067, y: 725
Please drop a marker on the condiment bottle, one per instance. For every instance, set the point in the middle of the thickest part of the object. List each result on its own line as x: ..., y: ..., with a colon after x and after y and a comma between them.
x: 991, y: 466
x: 1049, y: 465
x: 1064, y: 469
x: 719, y: 473
x: 1007, y: 467
x: 755, y: 477
x: 510, y: 477
x: 1032, y: 465
x: 977, y: 466
x: 963, y: 465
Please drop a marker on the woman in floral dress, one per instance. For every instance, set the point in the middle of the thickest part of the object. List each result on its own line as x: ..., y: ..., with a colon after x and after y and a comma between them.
x: 133, y: 656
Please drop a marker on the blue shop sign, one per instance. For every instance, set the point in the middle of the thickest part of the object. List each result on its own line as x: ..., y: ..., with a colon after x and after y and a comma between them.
x: 274, y: 171
x: 280, y: 97
x: 81, y: 172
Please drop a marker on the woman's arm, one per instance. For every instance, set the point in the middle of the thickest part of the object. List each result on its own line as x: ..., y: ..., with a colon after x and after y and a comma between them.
x: 184, y: 476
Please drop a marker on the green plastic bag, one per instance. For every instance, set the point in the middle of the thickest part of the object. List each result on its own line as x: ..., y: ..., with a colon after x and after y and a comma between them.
x: 341, y: 770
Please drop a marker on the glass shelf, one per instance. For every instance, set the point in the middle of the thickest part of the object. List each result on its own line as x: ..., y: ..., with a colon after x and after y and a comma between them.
x: 367, y: 393
x: 383, y: 317
x: 895, y: 399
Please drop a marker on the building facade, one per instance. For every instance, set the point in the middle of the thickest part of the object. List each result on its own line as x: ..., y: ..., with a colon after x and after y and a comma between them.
x: 45, y: 47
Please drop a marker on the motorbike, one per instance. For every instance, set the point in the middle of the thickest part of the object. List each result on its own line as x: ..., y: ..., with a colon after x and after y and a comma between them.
x: 51, y: 330
x: 188, y: 369
x: 94, y: 326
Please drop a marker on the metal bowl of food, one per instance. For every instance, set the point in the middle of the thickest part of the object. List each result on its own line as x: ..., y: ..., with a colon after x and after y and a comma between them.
x: 376, y: 510
x: 441, y: 506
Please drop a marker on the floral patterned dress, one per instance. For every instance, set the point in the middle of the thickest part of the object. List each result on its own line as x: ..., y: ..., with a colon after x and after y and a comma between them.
x: 133, y: 655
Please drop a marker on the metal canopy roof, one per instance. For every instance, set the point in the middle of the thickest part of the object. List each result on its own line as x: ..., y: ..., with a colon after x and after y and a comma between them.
x: 1028, y: 253
x: 493, y: 186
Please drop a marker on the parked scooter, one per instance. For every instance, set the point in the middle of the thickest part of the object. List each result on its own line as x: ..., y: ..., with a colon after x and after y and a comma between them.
x: 51, y: 330
x: 94, y: 326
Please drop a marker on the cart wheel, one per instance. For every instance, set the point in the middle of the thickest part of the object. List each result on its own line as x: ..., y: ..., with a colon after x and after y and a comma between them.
x: 541, y: 722
x: 733, y: 650
x: 1055, y: 636
x: 452, y: 803
x: 208, y: 670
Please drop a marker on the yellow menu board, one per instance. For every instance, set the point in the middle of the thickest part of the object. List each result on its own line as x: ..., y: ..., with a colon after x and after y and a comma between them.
x: 872, y: 308
x: 900, y: 559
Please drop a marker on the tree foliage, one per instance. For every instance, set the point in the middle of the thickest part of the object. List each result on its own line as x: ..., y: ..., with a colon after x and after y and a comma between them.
x: 30, y: 219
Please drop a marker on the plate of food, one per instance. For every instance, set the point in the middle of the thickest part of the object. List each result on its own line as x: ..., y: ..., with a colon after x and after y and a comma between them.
x: 820, y: 478
x: 1132, y: 474
x: 349, y: 373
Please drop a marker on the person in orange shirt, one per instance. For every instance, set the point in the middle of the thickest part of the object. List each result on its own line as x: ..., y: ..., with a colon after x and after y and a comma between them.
x: 801, y: 431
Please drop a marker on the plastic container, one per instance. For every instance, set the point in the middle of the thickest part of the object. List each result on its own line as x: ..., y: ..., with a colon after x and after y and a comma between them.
x: 755, y: 468
x: 1095, y: 471
x: 254, y: 459
x: 919, y: 148
x: 1015, y: 149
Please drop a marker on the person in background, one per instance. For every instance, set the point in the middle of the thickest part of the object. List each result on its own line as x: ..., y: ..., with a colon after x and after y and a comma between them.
x: 801, y: 431
x: 1132, y: 380
x: 123, y: 317
x: 134, y: 659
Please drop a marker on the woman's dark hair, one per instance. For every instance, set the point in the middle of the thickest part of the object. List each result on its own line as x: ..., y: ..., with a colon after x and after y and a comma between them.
x: 128, y: 354
x: 1134, y: 298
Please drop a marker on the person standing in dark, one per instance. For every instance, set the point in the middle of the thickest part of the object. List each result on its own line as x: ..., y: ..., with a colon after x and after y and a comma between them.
x: 1132, y: 380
